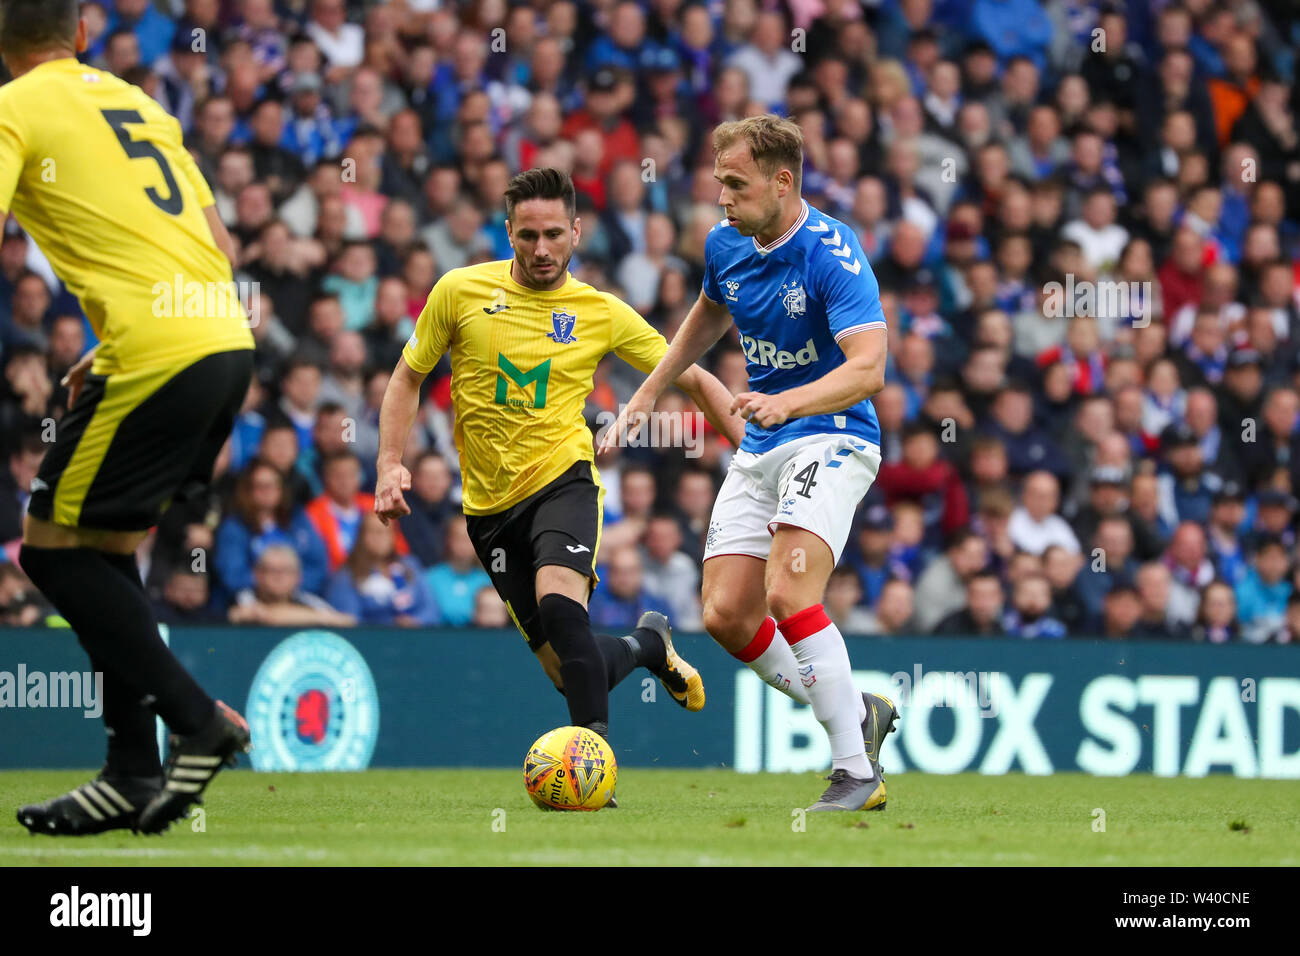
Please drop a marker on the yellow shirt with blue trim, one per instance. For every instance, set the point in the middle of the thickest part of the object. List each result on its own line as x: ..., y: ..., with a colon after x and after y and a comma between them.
x: 522, y: 362
x: 96, y: 172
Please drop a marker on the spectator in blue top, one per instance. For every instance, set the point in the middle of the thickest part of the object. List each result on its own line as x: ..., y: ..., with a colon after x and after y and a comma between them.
x: 459, y: 75
x: 432, y: 508
x: 1223, y: 534
x: 311, y: 132
x: 1216, y: 621
x: 1013, y: 28
x: 278, y: 445
x: 873, y: 559
x: 625, y: 44
x: 1109, y: 564
x: 355, y: 283
x: 1263, y: 593
x: 1186, y: 488
x: 153, y: 29
x: 249, y: 426
x: 261, y: 515
x: 455, y: 581
x: 621, y: 598
x: 1029, y: 448
x: 1031, y: 606
x: 377, y: 586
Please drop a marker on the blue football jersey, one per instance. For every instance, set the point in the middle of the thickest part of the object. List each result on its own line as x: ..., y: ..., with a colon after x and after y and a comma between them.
x: 792, y: 302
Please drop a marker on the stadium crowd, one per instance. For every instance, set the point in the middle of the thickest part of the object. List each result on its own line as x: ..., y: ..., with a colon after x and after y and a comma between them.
x: 1084, y: 218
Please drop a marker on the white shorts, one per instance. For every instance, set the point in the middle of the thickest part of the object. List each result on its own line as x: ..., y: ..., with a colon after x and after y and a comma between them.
x: 814, y: 483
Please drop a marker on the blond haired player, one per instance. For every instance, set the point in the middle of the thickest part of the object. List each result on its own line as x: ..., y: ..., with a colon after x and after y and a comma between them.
x: 799, y: 289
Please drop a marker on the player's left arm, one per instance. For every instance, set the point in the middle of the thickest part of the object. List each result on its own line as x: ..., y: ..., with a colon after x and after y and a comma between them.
x: 843, y: 280
x: 182, y: 159
x: 208, y: 203
x: 220, y: 233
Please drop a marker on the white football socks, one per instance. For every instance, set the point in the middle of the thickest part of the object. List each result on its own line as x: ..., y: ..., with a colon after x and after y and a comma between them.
x: 824, y: 671
x: 769, y: 656
x: 772, y: 660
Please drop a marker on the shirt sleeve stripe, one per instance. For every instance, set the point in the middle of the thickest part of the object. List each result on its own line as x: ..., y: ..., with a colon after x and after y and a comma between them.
x: 859, y: 328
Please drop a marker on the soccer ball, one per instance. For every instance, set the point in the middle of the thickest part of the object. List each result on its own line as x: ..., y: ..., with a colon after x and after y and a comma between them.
x: 570, y: 768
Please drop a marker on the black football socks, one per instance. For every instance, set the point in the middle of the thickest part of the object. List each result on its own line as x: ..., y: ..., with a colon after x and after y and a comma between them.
x: 131, y: 727
x: 642, y: 648
x: 582, y: 668
x: 101, y: 597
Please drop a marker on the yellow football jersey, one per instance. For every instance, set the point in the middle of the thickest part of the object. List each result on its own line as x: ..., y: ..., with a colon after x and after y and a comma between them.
x: 96, y: 172
x: 521, y: 370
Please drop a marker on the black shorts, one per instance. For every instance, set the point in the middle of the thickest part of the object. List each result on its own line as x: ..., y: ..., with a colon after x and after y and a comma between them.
x: 560, y: 525
x: 134, y: 441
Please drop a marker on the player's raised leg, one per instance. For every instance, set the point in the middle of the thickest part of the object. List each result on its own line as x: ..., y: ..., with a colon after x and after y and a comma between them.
x: 797, y: 571
x: 558, y: 529
x: 734, y: 602
x: 681, y: 680
x: 733, y: 597
x: 733, y: 592
x: 650, y: 646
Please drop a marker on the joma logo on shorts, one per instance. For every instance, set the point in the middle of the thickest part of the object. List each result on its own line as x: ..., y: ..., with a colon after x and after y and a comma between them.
x: 763, y: 352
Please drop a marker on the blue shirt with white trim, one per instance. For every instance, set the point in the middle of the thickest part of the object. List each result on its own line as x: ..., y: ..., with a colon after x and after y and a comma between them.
x: 792, y: 302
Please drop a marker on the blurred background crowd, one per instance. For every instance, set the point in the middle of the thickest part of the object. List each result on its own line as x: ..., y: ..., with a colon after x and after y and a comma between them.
x: 1054, y: 465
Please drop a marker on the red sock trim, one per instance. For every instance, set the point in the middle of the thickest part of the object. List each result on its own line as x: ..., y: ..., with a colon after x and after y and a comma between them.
x: 762, y: 640
x: 807, y: 622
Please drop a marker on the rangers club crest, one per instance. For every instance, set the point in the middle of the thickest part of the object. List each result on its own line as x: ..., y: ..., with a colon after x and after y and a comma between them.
x: 562, y: 323
x: 313, y: 706
x: 794, y: 299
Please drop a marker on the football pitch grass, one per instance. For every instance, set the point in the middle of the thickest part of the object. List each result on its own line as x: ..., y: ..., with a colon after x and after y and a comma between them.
x: 688, y: 817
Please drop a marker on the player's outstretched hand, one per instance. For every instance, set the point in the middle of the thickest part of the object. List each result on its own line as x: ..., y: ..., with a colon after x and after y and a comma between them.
x: 392, y: 481
x: 765, y: 410
x: 631, y: 419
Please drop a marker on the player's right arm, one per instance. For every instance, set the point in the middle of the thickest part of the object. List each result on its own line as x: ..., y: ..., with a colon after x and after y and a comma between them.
x: 431, y: 338
x: 396, y: 416
x: 707, y: 322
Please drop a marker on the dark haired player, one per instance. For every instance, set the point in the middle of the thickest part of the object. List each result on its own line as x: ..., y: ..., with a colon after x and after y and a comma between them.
x: 124, y: 213
x: 525, y: 337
